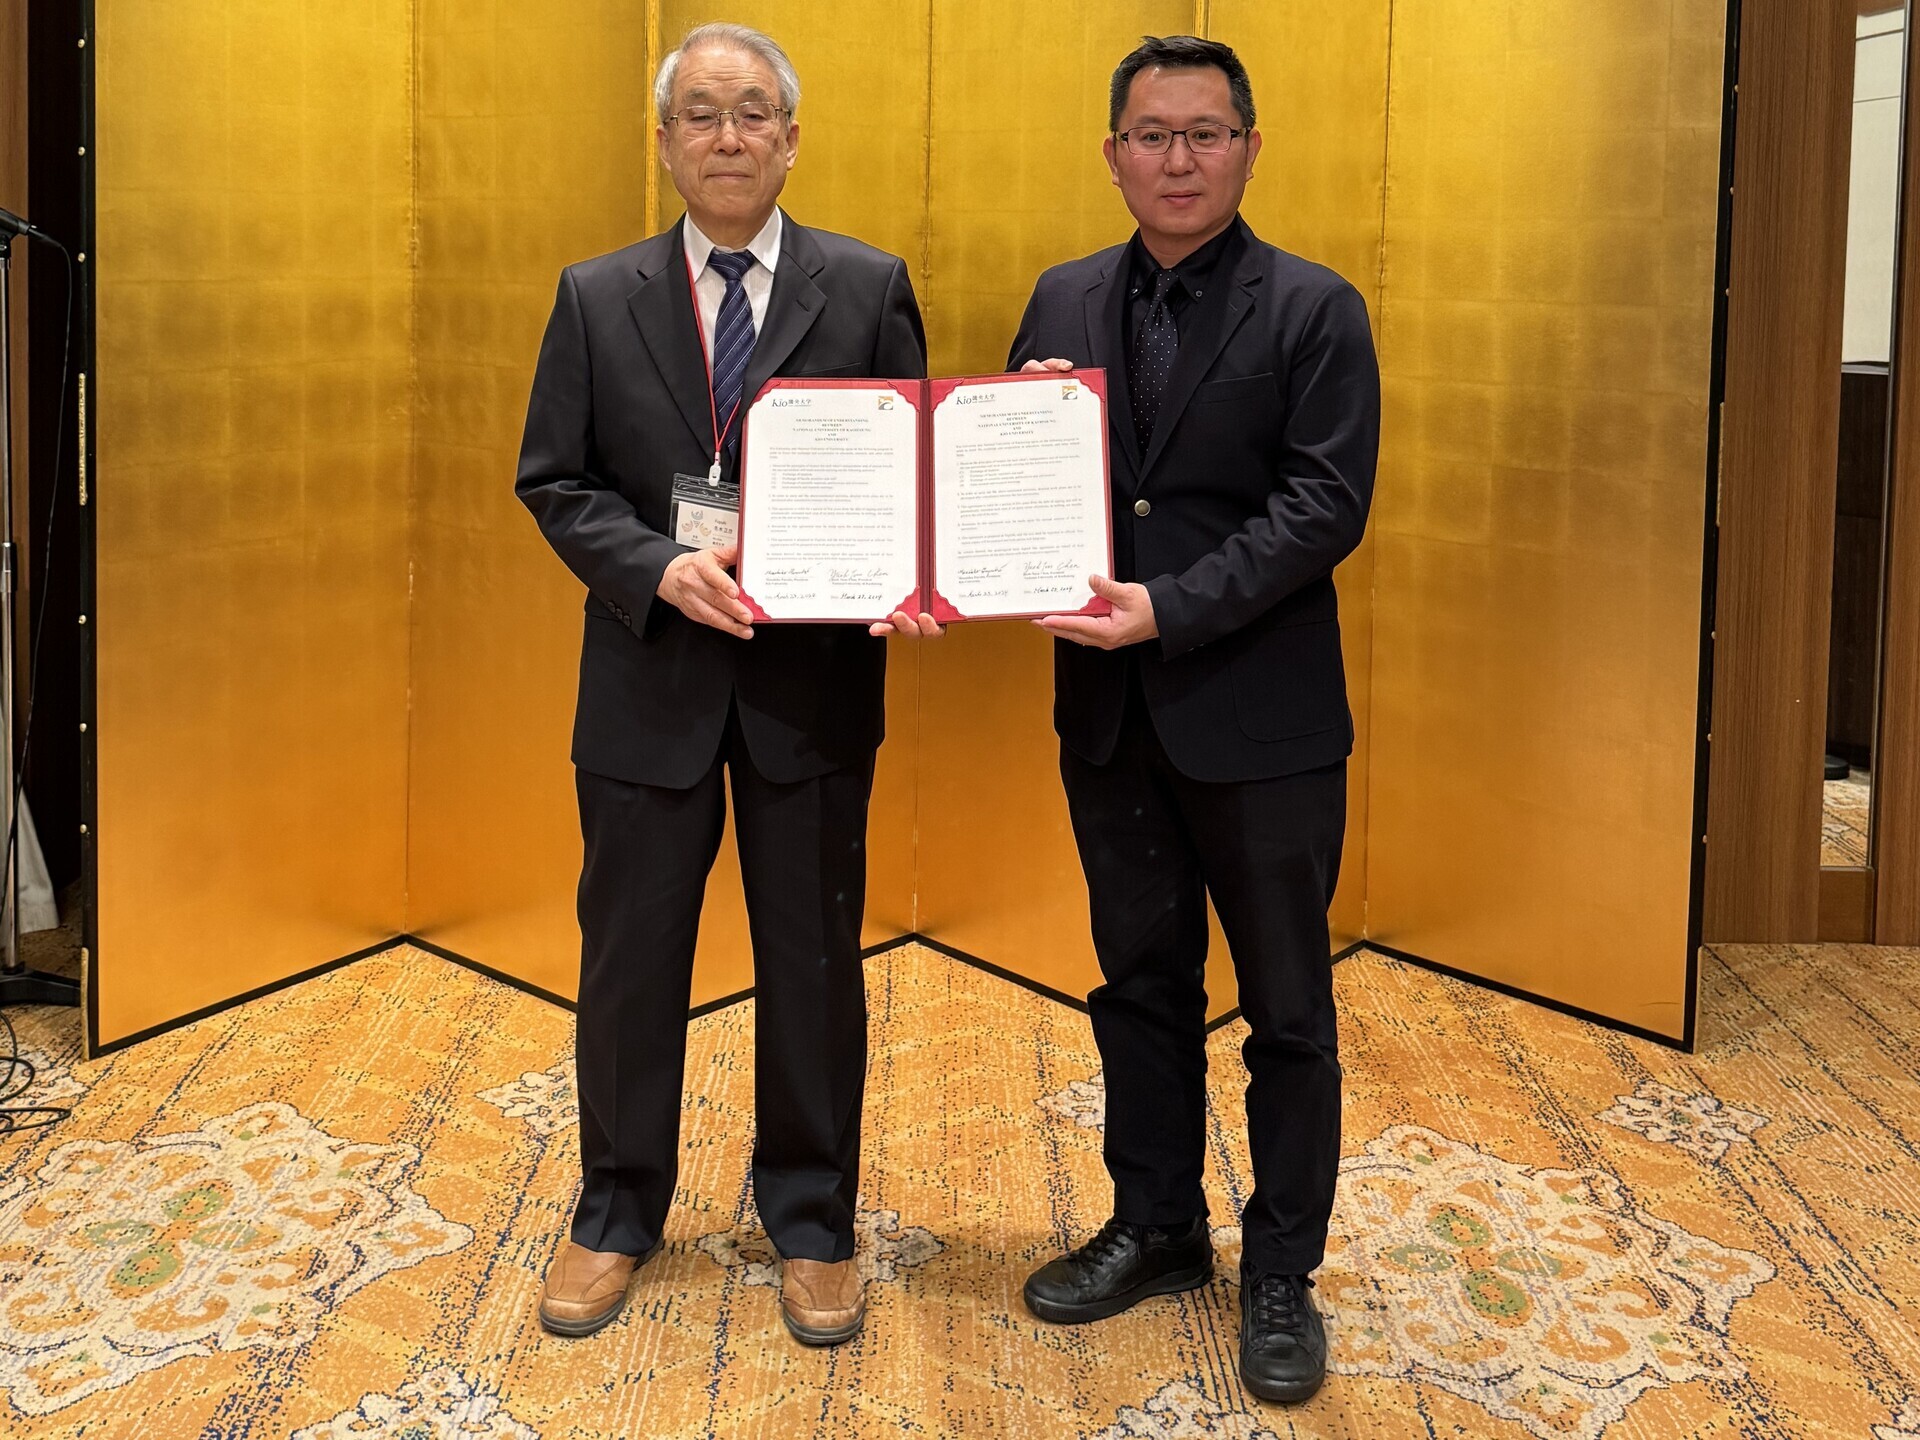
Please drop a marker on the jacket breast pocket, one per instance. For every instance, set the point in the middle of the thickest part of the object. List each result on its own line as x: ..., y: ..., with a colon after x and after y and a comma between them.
x: 852, y: 367
x: 1243, y: 388
x: 1293, y: 683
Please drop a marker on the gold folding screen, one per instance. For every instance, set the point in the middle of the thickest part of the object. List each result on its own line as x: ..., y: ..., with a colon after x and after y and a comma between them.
x: 254, y: 229
x: 535, y: 138
x: 311, y: 397
x: 999, y: 876
x: 1547, y: 325
x: 1015, y: 184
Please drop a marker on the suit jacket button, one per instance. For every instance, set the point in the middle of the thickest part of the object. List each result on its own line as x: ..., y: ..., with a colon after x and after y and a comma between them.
x: 1141, y: 507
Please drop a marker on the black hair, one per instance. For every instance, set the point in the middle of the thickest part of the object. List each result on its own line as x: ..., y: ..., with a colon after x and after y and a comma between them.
x: 1181, y: 52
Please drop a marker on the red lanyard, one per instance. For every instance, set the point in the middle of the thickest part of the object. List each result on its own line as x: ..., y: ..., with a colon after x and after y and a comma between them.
x: 713, y: 475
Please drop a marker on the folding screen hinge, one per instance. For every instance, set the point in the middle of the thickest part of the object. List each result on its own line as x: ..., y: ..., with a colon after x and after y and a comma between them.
x: 83, y: 437
x: 1720, y: 463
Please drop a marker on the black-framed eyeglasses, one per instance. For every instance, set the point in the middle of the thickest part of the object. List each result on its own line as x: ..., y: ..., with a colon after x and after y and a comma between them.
x: 755, y: 118
x: 1157, y: 140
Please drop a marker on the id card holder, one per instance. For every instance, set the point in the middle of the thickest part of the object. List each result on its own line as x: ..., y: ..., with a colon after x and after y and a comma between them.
x: 705, y: 513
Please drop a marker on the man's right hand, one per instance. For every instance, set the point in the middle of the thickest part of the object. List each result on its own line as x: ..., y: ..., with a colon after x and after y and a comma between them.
x: 698, y: 586
x: 1040, y: 367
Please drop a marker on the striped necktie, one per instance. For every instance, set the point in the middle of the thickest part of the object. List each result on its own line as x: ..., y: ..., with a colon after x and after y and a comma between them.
x: 732, y: 340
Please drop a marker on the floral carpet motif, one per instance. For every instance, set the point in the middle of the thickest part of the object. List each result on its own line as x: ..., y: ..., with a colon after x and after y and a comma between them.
x: 442, y: 1404
x: 1445, y: 1313
x: 1083, y: 1102
x: 545, y: 1099
x: 121, y: 1257
x: 1180, y: 1412
x: 1906, y: 1424
x: 1547, y: 1296
x: 1696, y: 1123
x: 881, y: 1244
x: 1845, y: 815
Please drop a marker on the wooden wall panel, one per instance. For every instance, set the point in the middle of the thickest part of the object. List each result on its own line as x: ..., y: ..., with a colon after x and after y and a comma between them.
x: 1779, y: 450
x: 1896, y: 775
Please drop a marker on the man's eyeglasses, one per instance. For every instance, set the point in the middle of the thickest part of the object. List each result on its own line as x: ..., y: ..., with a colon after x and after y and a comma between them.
x: 1201, y: 139
x: 755, y: 118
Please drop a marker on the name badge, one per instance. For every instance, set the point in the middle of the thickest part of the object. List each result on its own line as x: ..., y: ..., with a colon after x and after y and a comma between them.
x: 705, y: 513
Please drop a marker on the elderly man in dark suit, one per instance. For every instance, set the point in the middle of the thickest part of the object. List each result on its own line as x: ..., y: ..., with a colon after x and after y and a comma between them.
x: 1203, y: 723
x: 650, y: 358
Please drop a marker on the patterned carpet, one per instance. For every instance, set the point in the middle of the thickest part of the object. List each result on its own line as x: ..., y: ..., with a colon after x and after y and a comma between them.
x: 326, y: 1216
x: 1845, y: 811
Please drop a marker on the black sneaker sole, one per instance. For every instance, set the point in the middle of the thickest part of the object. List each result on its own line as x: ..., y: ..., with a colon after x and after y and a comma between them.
x: 1173, y: 1283
x: 1282, y: 1392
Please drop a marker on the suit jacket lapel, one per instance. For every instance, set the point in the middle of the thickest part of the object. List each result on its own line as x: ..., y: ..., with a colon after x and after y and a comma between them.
x: 1106, y: 344
x: 663, y: 309
x: 1217, y: 315
x: 792, y: 308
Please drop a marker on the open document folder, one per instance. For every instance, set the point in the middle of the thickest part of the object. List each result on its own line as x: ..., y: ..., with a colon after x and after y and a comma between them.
x: 975, y: 498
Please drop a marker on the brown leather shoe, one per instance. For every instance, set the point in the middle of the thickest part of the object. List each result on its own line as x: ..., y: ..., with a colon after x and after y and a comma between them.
x: 823, y: 1302
x: 585, y: 1289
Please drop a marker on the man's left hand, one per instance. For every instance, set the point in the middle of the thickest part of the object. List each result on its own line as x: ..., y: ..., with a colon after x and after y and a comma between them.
x: 1130, y: 621
x: 923, y: 626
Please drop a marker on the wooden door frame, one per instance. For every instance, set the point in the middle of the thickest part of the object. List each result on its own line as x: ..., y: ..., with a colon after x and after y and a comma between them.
x: 1780, y: 428
x: 1894, y: 898
x: 1780, y: 421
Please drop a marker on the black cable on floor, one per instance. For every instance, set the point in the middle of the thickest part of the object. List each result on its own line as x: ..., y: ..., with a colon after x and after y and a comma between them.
x: 15, y: 1119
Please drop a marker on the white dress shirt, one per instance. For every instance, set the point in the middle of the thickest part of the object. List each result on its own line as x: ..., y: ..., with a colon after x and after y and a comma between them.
x: 710, y: 286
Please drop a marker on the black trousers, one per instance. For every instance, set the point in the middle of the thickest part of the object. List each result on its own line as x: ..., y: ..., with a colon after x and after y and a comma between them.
x: 803, y: 862
x: 1155, y: 845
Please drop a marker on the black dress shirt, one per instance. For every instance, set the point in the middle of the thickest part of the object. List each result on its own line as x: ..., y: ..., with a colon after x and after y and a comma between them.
x: 1191, y: 275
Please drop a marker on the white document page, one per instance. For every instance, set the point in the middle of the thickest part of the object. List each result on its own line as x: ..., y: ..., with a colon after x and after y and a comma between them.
x: 1020, y: 496
x: 829, y: 503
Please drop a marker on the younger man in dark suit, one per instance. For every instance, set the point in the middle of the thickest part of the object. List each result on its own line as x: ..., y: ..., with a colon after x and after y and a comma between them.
x: 1203, y: 723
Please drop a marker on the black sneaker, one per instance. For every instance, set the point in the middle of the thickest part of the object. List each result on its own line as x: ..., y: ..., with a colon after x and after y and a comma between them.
x: 1121, y: 1266
x: 1283, y: 1344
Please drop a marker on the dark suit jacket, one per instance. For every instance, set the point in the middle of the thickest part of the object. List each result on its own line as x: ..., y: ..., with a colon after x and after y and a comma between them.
x: 620, y: 404
x: 1257, y: 484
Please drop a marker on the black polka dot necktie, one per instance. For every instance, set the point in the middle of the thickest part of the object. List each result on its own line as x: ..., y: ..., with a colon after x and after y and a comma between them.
x: 1154, y: 349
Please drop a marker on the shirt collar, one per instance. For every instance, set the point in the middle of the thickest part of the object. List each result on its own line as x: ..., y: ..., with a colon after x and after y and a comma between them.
x: 765, y: 247
x: 1193, y: 271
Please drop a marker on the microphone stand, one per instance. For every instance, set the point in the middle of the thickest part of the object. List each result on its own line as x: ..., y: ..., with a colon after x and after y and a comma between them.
x: 18, y: 985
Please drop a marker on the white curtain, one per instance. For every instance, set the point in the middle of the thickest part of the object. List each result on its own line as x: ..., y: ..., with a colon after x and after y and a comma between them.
x: 38, y: 910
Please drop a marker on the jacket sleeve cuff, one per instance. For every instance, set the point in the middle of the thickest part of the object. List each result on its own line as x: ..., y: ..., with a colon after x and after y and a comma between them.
x: 1177, y: 634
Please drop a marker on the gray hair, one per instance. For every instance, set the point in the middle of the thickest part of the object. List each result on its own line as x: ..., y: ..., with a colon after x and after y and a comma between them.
x: 720, y: 35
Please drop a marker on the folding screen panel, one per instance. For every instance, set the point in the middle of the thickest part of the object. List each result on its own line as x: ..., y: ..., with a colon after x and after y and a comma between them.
x: 861, y: 171
x: 336, y: 662
x: 1016, y: 184
x: 1320, y: 78
x: 999, y: 875
x: 536, y: 141
x: 252, y: 247
x: 1547, y: 325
